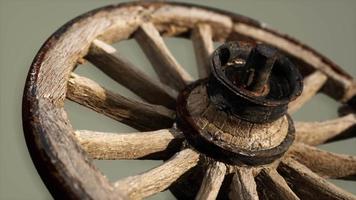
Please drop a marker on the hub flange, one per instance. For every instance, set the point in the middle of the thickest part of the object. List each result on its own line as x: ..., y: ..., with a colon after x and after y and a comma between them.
x: 238, y: 115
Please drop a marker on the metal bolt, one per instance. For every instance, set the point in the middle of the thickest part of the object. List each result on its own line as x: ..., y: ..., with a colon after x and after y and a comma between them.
x: 258, y: 67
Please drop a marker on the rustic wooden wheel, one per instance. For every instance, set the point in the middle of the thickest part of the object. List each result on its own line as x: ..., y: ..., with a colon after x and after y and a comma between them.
x: 63, y: 156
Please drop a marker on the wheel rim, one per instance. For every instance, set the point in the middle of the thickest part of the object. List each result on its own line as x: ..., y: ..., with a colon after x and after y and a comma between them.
x: 66, y: 168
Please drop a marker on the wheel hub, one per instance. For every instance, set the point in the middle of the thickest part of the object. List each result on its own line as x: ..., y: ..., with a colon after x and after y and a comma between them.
x: 238, y: 115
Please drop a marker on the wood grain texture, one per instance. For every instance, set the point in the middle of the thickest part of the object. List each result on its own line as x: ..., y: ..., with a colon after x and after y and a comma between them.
x: 202, y: 38
x: 315, y: 133
x: 72, y: 168
x: 180, y: 20
x: 222, y: 128
x: 161, y: 144
x: 106, y: 58
x: 168, y: 69
x: 308, y: 185
x: 159, y: 178
x: 139, y: 115
x: 312, y: 84
x: 63, y: 166
x: 243, y: 185
x: 272, y: 186
x: 325, y: 164
x: 212, y: 181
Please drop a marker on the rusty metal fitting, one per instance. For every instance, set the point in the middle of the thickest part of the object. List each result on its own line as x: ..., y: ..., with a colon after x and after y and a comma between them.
x: 254, y: 83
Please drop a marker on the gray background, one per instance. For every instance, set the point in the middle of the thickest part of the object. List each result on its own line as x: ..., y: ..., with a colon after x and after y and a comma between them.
x: 328, y: 26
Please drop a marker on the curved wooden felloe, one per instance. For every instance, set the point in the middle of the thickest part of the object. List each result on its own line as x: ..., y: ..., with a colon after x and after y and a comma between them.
x: 62, y: 155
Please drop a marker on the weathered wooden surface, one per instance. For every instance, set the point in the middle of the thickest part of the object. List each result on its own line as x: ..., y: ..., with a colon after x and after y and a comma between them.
x: 168, y: 69
x: 223, y: 128
x: 325, y: 164
x: 243, y: 185
x: 72, y: 166
x: 142, y: 116
x: 311, y: 85
x: 315, y: 133
x: 159, y: 178
x: 63, y: 166
x: 202, y: 38
x: 308, y: 185
x: 212, y: 181
x: 180, y: 20
x: 160, y: 144
x: 105, y: 57
x: 271, y: 185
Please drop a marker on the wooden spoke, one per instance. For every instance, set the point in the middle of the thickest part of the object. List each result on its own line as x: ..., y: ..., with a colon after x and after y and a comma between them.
x: 212, y: 181
x: 312, y: 84
x: 203, y: 44
x: 243, y: 185
x: 315, y: 133
x: 105, y: 57
x: 142, y: 116
x: 160, y: 144
x: 159, y: 178
x: 273, y: 185
x: 308, y: 185
x: 166, y: 66
x: 325, y: 164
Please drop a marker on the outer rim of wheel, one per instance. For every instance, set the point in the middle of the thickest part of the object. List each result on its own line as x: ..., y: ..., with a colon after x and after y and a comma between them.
x: 31, y: 106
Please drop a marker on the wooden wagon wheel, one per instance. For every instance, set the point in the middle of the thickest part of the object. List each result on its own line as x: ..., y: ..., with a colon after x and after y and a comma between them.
x: 243, y: 165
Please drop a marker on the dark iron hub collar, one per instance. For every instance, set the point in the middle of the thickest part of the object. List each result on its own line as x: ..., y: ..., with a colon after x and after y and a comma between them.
x: 254, y: 83
x: 249, y: 84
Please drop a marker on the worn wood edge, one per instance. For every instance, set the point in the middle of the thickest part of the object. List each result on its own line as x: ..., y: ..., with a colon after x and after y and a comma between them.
x: 212, y: 181
x: 108, y: 60
x: 33, y: 93
x: 307, y: 185
x: 271, y: 185
x: 40, y: 102
x: 325, y: 164
x: 350, y: 94
x: 159, y: 178
x: 243, y: 185
x: 225, y: 21
x: 41, y: 64
x: 188, y: 15
x: 139, y: 115
x: 312, y: 84
x: 234, y: 19
x: 315, y: 133
x: 160, y: 144
x: 65, y: 179
x: 170, y: 72
x: 202, y: 38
